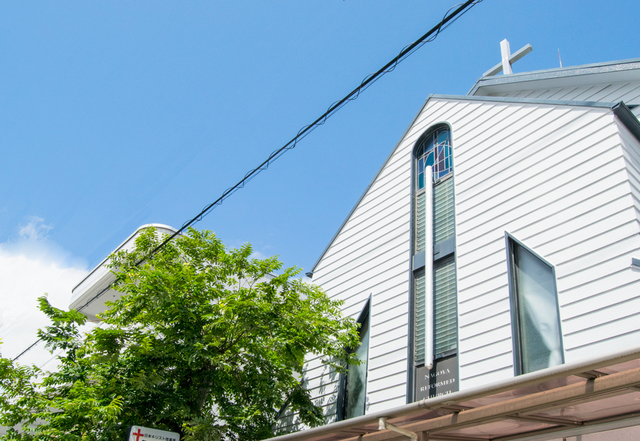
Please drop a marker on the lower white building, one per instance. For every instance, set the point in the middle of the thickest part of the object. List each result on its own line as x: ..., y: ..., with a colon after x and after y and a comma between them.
x: 91, y: 293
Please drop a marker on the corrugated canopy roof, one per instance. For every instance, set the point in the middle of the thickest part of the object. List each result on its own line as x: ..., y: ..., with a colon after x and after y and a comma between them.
x: 568, y: 400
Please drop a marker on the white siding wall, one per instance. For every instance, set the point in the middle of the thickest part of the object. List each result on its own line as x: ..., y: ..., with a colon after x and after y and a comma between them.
x: 556, y: 178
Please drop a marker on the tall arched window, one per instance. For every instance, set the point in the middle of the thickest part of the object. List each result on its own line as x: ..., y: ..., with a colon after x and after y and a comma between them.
x: 434, y: 149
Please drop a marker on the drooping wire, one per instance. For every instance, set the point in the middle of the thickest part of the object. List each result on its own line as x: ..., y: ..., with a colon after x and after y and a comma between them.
x: 431, y: 35
x: 448, y: 19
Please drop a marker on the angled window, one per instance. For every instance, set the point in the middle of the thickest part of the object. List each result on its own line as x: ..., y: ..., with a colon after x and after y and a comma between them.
x: 353, y: 385
x: 535, y: 317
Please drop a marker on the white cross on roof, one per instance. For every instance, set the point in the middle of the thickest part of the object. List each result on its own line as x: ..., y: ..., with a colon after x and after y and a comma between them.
x: 507, y: 59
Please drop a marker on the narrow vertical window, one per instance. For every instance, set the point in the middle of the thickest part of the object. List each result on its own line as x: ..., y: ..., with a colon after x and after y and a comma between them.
x: 353, y: 387
x: 535, y: 311
x: 435, y: 316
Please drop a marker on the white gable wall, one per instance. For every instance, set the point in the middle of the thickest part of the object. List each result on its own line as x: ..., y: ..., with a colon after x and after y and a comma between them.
x: 554, y: 176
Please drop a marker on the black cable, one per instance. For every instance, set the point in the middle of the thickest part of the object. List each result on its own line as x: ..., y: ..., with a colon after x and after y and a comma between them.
x: 431, y: 35
x: 370, y: 79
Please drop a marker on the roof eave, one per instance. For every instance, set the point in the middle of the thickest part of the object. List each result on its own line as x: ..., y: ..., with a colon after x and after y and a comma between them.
x: 557, y: 73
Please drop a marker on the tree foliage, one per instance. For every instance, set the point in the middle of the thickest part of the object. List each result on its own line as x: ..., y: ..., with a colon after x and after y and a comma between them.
x: 205, y: 341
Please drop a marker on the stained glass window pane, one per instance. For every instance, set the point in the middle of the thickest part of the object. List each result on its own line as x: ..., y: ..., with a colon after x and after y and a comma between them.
x: 436, y: 151
x: 428, y: 144
x: 429, y: 158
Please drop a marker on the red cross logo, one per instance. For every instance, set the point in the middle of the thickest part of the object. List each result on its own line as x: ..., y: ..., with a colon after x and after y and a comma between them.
x: 137, y: 434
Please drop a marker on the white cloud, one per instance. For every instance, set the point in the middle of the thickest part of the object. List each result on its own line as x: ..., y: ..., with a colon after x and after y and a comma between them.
x: 29, y: 268
x: 258, y: 255
x: 35, y: 229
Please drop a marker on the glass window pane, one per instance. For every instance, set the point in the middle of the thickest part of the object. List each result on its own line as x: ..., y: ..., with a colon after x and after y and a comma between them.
x: 429, y: 158
x: 540, y: 337
x: 445, y: 314
x: 420, y: 320
x: 420, y: 222
x: 428, y: 144
x: 443, y: 136
x: 357, y: 376
x: 443, y: 212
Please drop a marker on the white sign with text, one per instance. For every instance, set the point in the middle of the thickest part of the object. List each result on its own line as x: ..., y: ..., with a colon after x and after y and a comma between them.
x: 139, y: 433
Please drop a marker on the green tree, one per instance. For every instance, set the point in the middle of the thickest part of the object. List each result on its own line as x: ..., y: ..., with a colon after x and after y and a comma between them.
x: 204, y: 341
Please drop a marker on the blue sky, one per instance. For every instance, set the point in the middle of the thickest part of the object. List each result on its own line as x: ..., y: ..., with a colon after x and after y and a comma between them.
x: 116, y: 114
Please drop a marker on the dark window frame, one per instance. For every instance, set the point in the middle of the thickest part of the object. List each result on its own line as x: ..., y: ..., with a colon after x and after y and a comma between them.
x: 516, y: 327
x: 342, y: 400
x: 442, y: 250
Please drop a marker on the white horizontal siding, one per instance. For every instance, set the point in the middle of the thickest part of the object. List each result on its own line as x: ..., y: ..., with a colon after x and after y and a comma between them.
x: 395, y: 357
x: 392, y: 239
x: 361, y: 241
x: 486, y: 351
x: 484, y: 368
x: 384, y: 371
x: 474, y: 302
x: 489, y: 376
x: 479, y: 327
x: 599, y: 310
x: 478, y: 341
x: 556, y: 178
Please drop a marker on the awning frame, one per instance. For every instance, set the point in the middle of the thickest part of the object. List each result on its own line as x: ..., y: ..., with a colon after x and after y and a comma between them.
x: 587, y: 382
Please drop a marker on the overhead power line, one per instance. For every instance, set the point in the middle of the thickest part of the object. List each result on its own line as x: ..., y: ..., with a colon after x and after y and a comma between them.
x: 431, y: 35
x: 449, y: 18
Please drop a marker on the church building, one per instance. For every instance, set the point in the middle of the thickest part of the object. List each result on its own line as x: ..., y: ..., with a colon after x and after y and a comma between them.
x: 495, y: 255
